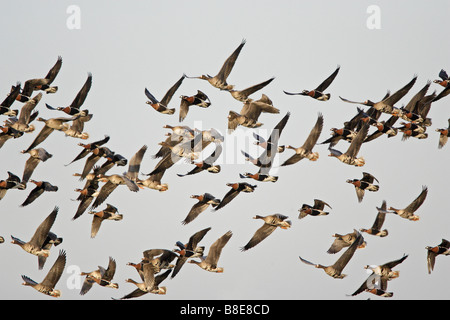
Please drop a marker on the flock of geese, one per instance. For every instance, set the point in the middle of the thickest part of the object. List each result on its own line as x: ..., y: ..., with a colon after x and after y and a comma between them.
x: 186, y: 144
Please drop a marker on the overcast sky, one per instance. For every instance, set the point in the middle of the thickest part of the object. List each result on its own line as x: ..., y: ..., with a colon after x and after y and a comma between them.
x: 130, y: 46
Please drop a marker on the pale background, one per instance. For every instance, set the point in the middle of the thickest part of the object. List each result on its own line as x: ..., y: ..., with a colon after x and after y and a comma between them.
x: 136, y: 44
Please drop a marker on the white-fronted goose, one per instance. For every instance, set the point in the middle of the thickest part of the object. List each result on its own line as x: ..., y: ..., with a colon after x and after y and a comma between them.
x: 305, y: 151
x: 52, y: 124
x: 159, y: 258
x: 47, y: 286
x: 51, y: 240
x: 344, y: 241
x: 143, y: 289
x: 173, y: 153
x: 318, y: 93
x: 154, y: 182
x: 111, y: 183
x: 134, y: 164
x: 183, y: 131
x: 35, y: 245
x: 409, y: 211
x: 23, y: 123
x: 379, y: 278
x: 209, y: 262
x: 271, y: 222
x: 219, y: 81
x: 235, y: 119
x: 37, y: 155
x: 250, y: 113
x: 336, y: 269
x: 183, y: 150
x: 372, y: 285
x: 76, y: 130
x: 172, y: 139
x: 385, y: 270
x: 153, y: 262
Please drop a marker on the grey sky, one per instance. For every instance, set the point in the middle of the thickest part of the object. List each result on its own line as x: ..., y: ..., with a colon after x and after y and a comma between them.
x: 129, y: 46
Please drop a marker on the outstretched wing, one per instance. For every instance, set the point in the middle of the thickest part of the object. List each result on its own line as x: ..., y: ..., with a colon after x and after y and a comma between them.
x: 413, y: 206
x: 262, y: 233
x: 229, y: 63
x: 56, y: 271
x: 314, y: 134
x: 82, y: 94
x: 150, y: 96
x: 196, y: 209
x: 168, y: 96
x: 355, y: 145
x: 227, y: 198
x: 247, y: 92
x: 53, y: 72
x: 326, y: 83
